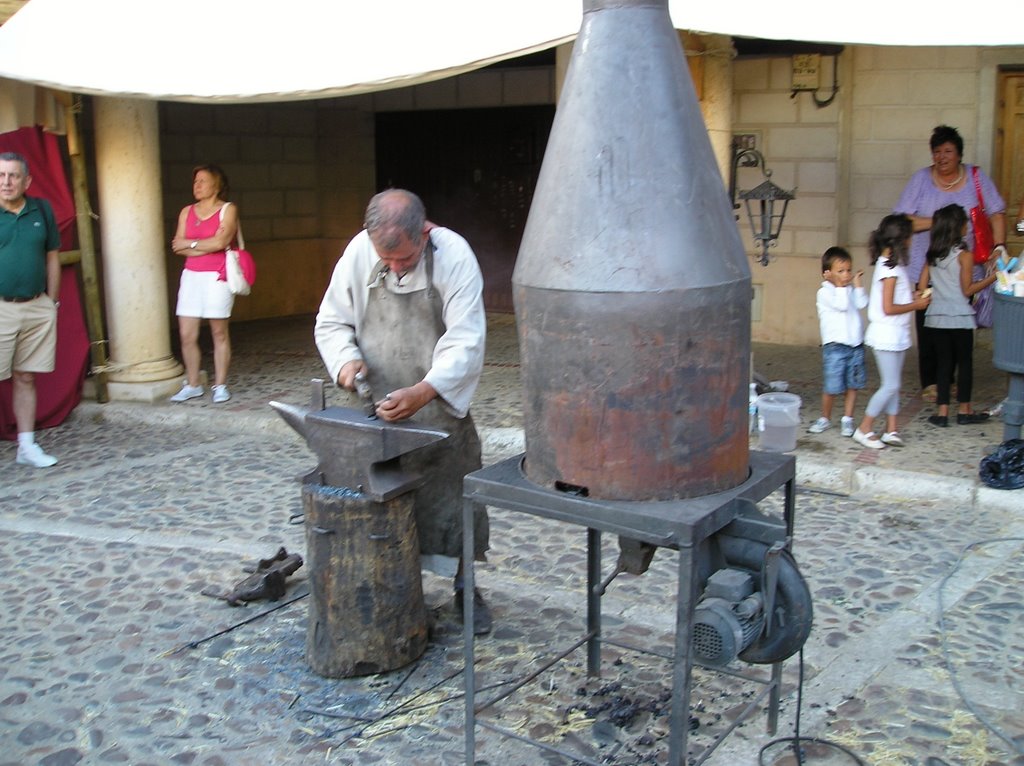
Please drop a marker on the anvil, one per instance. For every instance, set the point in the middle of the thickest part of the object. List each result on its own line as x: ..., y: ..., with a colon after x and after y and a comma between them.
x: 357, y: 452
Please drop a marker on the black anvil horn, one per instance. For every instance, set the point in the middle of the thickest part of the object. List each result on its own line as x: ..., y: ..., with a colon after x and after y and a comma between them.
x: 358, y: 453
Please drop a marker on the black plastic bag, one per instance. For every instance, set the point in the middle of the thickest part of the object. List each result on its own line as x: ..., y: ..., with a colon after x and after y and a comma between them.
x: 1004, y: 468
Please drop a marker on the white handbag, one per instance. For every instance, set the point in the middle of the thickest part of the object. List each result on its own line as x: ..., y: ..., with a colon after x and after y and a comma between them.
x: 237, y: 283
x: 236, y: 279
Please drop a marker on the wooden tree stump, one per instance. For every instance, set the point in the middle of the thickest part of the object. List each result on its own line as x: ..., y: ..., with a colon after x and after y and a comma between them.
x: 366, y: 610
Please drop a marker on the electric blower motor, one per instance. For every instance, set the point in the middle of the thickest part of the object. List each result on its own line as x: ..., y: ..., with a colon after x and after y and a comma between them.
x: 729, y: 617
x: 755, y: 606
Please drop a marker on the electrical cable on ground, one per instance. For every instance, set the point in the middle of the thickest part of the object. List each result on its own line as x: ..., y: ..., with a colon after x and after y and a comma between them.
x: 1014, y: 747
x: 796, y: 740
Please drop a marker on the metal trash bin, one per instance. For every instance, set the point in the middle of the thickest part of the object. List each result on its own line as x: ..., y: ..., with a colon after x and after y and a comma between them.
x: 1008, y: 333
x: 1008, y: 355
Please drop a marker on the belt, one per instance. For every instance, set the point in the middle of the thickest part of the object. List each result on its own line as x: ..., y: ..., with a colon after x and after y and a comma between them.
x: 18, y: 298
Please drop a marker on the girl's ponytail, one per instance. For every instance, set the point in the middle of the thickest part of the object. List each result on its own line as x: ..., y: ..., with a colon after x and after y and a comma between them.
x: 892, y: 234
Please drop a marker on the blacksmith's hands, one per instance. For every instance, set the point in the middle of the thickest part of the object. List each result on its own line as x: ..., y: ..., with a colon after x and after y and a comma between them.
x: 348, y: 372
x: 405, y: 402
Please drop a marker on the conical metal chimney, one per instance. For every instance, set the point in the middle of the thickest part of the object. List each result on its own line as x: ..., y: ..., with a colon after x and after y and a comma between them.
x: 632, y: 289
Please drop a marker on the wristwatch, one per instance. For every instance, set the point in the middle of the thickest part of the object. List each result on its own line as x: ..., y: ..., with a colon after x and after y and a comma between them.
x: 193, y: 245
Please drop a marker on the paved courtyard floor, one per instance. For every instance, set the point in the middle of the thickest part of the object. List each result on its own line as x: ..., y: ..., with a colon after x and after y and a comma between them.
x: 109, y: 652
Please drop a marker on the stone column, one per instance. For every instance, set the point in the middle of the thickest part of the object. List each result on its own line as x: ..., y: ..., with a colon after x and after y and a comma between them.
x: 562, y: 55
x: 133, y: 245
x: 716, y: 53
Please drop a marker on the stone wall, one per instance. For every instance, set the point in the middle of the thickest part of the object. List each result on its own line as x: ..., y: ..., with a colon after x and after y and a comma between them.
x: 801, y: 146
x: 850, y: 160
x: 302, y: 172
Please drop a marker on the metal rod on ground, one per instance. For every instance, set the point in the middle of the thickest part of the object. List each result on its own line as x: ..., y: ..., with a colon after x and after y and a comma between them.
x: 219, y: 633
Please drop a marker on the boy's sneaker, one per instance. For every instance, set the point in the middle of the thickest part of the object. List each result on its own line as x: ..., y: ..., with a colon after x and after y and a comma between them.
x: 187, y: 392
x: 33, y: 455
x: 847, y: 427
x: 220, y: 394
x: 819, y: 425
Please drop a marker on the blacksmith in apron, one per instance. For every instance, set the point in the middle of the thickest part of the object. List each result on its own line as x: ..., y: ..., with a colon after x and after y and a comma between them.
x: 405, y: 306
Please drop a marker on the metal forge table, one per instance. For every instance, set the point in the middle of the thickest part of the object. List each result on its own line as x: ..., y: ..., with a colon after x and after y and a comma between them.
x: 681, y: 525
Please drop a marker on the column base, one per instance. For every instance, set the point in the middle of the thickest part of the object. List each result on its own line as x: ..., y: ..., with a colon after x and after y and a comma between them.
x: 150, y: 390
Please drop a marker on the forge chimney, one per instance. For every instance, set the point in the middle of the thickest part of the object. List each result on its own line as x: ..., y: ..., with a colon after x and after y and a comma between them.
x: 632, y: 289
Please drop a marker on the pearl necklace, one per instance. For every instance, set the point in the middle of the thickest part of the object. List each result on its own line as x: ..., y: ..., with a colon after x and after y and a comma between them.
x: 943, y: 184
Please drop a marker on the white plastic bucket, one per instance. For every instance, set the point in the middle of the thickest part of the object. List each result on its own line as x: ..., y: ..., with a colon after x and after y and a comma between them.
x: 778, y: 421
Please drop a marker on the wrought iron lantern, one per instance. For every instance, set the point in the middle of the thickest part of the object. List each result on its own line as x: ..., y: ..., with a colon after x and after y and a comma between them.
x: 765, y: 204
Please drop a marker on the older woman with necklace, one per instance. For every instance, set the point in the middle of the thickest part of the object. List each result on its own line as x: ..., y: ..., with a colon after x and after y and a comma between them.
x: 946, y: 181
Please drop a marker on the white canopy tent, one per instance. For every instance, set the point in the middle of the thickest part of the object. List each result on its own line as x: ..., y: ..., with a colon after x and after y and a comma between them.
x: 244, y: 51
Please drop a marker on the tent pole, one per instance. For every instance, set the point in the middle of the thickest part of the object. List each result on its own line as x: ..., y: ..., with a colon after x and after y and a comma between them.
x: 90, y: 280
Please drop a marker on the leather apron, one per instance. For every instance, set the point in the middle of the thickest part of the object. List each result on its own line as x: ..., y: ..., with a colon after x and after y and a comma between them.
x: 397, y: 340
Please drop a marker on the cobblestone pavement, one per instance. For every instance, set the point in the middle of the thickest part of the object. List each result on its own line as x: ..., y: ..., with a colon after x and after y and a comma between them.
x: 111, y: 654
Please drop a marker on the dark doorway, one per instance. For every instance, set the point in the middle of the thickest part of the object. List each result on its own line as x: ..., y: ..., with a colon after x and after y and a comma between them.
x: 475, y: 170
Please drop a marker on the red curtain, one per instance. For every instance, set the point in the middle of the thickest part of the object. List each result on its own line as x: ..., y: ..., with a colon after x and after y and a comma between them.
x: 60, y: 391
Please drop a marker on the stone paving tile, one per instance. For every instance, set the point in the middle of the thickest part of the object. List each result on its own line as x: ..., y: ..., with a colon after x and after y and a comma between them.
x: 275, y: 360
x: 88, y: 673
x: 857, y: 590
x: 85, y: 443
x: 110, y: 549
x: 214, y: 488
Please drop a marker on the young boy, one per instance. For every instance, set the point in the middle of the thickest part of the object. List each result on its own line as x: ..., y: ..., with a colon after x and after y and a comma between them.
x: 842, y: 337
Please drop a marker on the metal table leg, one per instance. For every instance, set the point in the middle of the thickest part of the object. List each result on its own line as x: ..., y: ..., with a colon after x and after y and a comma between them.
x: 775, y: 698
x: 685, y: 603
x: 789, y: 509
x: 690, y: 522
x: 1013, y: 409
x: 468, y: 636
x: 594, y: 602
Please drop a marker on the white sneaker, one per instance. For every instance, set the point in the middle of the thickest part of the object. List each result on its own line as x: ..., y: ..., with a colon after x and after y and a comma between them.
x: 187, y: 392
x: 819, y: 425
x: 847, y: 427
x: 220, y: 394
x: 868, y: 439
x: 33, y: 455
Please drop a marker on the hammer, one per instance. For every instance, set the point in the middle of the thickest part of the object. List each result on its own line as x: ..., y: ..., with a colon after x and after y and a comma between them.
x: 366, y: 394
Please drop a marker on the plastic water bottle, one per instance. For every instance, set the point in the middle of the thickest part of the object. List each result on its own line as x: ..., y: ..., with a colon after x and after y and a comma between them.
x: 752, y: 408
